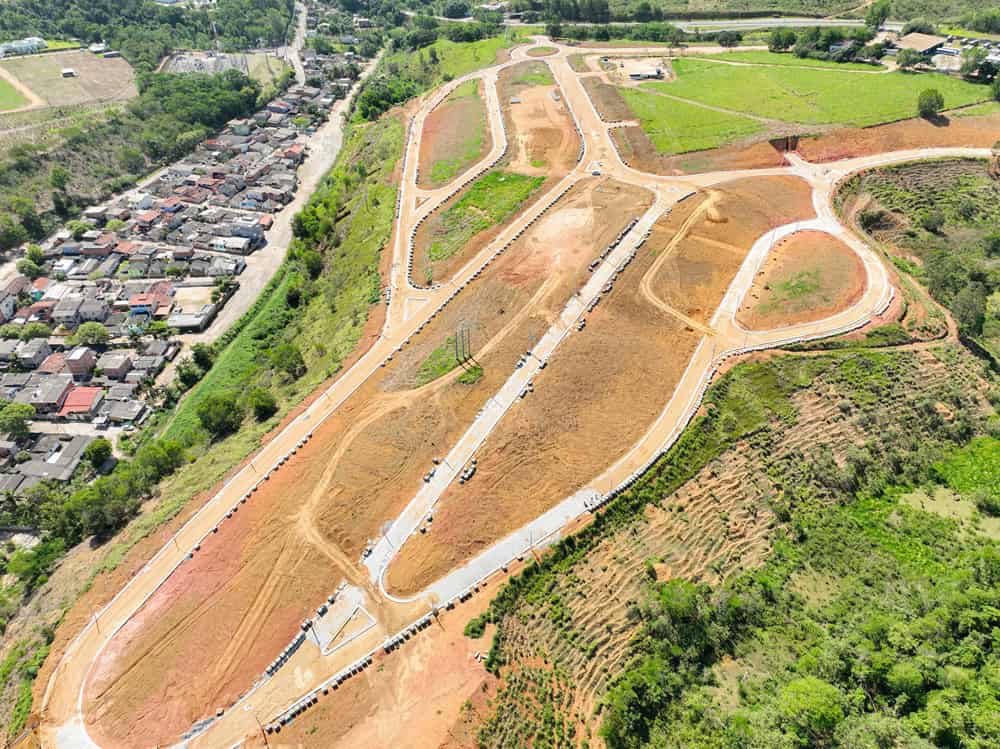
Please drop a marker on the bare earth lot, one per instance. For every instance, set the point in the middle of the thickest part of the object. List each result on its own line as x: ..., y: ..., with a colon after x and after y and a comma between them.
x: 808, y: 276
x: 97, y: 79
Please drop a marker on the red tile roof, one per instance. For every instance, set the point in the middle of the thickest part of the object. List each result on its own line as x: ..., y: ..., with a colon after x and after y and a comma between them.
x: 53, y: 364
x: 80, y: 400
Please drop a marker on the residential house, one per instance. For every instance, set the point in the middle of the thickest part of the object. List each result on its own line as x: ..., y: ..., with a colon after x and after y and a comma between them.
x: 67, y: 311
x: 46, y: 392
x: 82, y: 403
x: 30, y: 354
x: 114, y: 365
x: 81, y: 361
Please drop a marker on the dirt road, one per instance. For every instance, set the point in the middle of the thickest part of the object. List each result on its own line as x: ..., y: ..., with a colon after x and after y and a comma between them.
x: 308, y: 670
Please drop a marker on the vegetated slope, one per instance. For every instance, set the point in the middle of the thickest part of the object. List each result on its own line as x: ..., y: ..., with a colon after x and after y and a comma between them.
x: 784, y: 447
x: 903, y: 9
x: 172, y: 114
x: 941, y: 220
x: 146, y: 31
x: 306, y: 322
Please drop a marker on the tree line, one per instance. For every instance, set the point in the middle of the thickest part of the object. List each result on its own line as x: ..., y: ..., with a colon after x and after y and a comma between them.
x: 145, y: 31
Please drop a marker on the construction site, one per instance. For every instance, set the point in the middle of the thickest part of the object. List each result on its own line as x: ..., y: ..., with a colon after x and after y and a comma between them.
x: 560, y: 297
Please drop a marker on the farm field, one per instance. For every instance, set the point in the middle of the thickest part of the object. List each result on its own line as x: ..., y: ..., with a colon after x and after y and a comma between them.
x: 97, y: 79
x: 455, y: 136
x: 811, y: 96
x: 675, y: 126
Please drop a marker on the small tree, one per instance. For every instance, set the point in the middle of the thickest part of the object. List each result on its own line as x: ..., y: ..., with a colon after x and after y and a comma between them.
x: 58, y: 178
x: 203, y: 355
x: 263, y: 403
x: 14, y: 418
x: 28, y: 268
x: 288, y: 358
x: 877, y: 14
x: 220, y: 414
x: 932, y: 221
x: 930, y: 103
x: 91, y: 333
x: 907, y: 59
x: 972, y: 59
x: 35, y: 330
x: 78, y: 228
x: 729, y: 38
x: 97, y: 452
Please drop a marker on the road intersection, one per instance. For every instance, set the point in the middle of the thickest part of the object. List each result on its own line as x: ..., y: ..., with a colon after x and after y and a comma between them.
x: 309, y: 670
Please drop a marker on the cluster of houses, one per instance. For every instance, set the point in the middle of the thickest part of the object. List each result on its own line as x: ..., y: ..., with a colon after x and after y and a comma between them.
x: 943, y: 52
x: 28, y: 46
x: 45, y: 457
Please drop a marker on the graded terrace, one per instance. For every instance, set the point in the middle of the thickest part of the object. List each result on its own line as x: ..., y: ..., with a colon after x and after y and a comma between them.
x: 562, y: 288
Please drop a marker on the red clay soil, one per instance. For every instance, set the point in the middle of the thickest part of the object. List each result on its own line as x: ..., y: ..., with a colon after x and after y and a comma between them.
x: 829, y: 277
x: 538, y: 129
x: 973, y: 132
x: 414, y: 697
x: 446, y: 130
x: 602, y: 389
x: 697, y: 272
x: 639, y: 152
x: 202, y: 639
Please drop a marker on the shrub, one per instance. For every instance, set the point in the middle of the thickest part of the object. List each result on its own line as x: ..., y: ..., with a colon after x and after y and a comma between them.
x: 220, y: 414
x: 263, y: 403
x: 97, y: 452
x: 930, y: 103
x: 932, y: 221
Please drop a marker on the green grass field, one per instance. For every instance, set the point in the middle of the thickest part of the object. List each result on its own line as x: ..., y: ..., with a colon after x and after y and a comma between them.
x: 979, y: 110
x: 814, y: 96
x: 762, y: 57
x: 490, y: 200
x: 10, y: 97
x: 676, y: 127
x: 456, y: 59
x: 534, y: 74
x: 466, y: 149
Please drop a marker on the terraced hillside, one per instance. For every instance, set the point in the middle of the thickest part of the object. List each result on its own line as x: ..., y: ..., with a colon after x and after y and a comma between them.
x: 773, y: 435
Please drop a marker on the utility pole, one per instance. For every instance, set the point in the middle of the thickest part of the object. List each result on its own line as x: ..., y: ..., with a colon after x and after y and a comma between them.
x: 262, y: 731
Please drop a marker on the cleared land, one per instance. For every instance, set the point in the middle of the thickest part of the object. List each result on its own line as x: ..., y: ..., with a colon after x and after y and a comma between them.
x: 975, y: 131
x: 605, y: 384
x: 97, y: 78
x: 276, y: 560
x: 811, y: 96
x: 543, y: 148
x: 695, y: 266
x: 806, y: 277
x: 455, y: 136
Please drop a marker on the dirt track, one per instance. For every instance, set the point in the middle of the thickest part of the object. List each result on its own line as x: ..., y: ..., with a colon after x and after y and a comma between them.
x: 301, y: 533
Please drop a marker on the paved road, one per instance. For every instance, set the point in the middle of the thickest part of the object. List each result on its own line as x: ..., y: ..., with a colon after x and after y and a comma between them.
x: 411, y: 308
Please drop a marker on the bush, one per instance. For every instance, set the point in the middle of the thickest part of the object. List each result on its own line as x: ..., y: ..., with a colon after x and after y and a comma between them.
x: 932, y: 221
x: 91, y: 334
x: 287, y: 358
x: 220, y: 414
x: 263, y: 403
x: 930, y: 103
x: 97, y: 452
